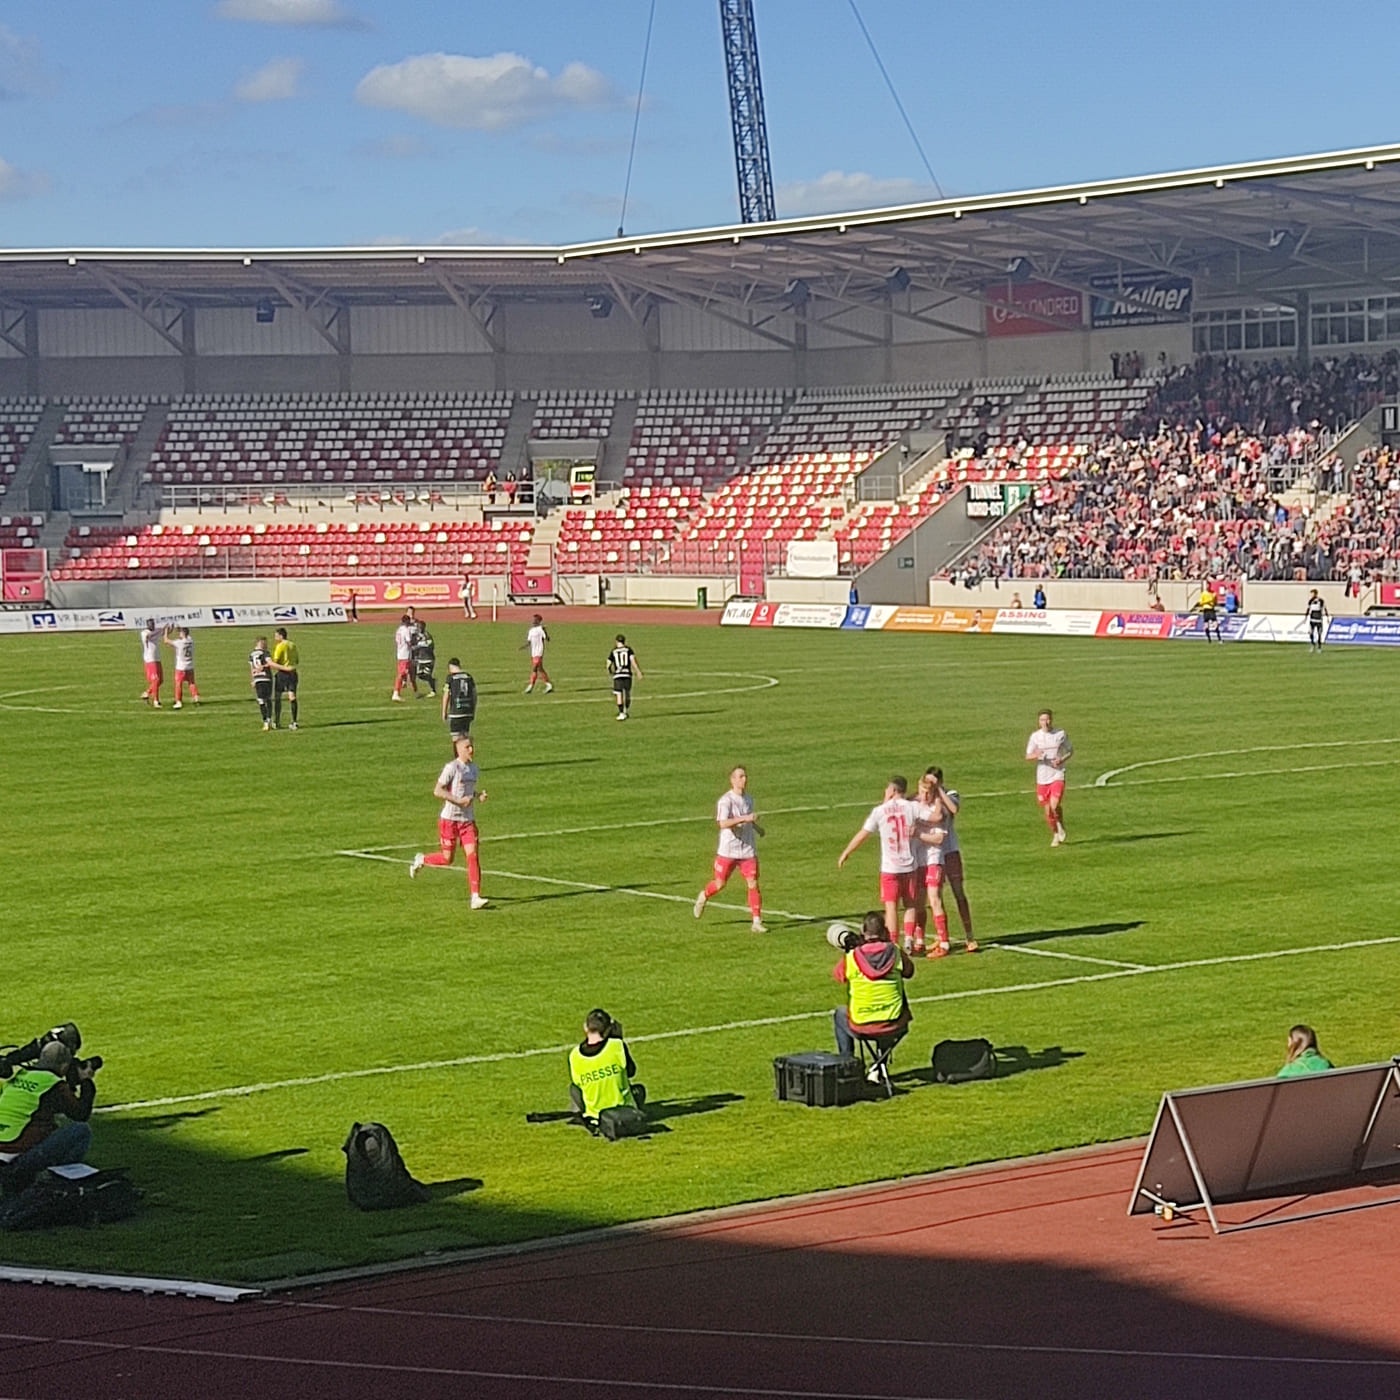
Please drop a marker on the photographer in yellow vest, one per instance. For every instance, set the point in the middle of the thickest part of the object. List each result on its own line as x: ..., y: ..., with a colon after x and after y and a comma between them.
x: 30, y: 1103
x: 874, y: 971
x: 601, y: 1069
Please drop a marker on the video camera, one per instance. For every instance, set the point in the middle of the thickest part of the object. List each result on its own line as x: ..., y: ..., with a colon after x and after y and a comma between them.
x: 18, y: 1057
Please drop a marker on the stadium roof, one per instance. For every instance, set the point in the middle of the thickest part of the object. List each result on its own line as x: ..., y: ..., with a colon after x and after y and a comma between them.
x: 1268, y: 231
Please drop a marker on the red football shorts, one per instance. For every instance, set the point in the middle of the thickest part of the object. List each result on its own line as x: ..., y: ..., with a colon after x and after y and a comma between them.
x: 154, y: 673
x: 184, y: 677
x: 899, y: 888
x: 726, y: 865
x: 452, y: 833
x: 950, y: 868
x: 404, y: 668
x: 1048, y: 792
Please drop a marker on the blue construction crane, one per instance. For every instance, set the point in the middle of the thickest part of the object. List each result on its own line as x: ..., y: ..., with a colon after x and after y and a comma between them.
x: 751, y: 163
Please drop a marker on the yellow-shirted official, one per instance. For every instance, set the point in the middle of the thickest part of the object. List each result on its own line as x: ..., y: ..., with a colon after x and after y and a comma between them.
x: 285, y: 659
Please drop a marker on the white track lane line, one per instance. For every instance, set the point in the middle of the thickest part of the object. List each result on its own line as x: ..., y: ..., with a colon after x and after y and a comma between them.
x: 830, y: 1339
x: 1070, y: 957
x: 754, y: 1023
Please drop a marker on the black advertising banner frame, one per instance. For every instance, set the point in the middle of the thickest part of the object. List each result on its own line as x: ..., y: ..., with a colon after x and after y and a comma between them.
x: 1182, y: 1179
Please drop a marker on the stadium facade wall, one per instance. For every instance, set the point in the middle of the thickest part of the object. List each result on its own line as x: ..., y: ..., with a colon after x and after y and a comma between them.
x: 189, y: 593
x: 104, y: 351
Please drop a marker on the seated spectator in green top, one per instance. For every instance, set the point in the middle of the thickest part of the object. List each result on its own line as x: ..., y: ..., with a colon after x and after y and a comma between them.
x: 1303, y: 1055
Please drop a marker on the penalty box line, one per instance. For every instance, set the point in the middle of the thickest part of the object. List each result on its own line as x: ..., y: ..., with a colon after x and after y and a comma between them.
x: 752, y: 1023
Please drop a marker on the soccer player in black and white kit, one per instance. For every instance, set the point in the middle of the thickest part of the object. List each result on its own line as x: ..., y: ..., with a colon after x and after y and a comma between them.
x: 622, y: 666
x: 260, y: 667
x: 458, y: 699
x: 1315, y: 610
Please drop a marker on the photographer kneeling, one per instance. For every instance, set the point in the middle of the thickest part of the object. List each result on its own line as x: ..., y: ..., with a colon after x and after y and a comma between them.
x: 30, y: 1103
x: 874, y: 971
x: 601, y: 1069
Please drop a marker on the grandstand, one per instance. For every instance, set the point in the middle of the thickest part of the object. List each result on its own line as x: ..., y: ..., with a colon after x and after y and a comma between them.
x: 836, y: 378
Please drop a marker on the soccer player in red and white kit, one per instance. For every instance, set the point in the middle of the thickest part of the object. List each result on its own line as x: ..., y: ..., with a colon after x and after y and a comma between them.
x: 403, y: 656
x: 150, y: 656
x: 1050, y: 749
x: 942, y: 865
x: 895, y: 819
x: 738, y: 849
x: 456, y: 789
x: 180, y: 641
x: 536, y: 639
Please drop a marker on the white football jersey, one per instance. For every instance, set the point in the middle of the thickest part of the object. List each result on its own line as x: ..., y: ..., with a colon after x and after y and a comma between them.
x: 1044, y: 745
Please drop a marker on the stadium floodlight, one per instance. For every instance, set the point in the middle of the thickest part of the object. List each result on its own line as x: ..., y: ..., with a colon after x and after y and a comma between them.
x: 1020, y: 269
x: 898, y: 280
x: 600, y: 306
x: 797, y: 292
x: 265, y: 313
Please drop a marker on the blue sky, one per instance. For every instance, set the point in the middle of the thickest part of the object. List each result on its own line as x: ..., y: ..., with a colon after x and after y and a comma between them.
x: 183, y: 123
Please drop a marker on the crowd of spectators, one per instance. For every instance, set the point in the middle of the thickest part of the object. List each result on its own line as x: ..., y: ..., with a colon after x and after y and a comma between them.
x: 1192, y: 489
x: 1274, y: 397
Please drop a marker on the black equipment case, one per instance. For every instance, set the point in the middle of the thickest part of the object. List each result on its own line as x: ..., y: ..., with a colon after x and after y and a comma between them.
x: 818, y: 1079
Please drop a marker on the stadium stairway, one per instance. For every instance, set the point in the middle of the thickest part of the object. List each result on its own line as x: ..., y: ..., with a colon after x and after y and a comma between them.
x: 513, y: 455
x: 34, y: 464
x: 542, y: 543
x: 614, y: 460
x: 130, y: 476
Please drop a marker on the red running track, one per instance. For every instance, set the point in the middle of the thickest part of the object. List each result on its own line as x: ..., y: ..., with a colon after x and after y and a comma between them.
x: 1025, y: 1279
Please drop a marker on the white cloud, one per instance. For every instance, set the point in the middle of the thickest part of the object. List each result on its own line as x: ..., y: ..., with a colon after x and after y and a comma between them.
x: 301, y: 14
x: 20, y: 184
x: 839, y: 191
x: 482, y: 94
x: 275, y: 81
x: 22, y: 71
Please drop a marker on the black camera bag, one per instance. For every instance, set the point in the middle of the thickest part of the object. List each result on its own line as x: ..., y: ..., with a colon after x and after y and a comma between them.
x: 621, y: 1122
x: 375, y: 1175
x: 958, y: 1061
x: 50, y: 1201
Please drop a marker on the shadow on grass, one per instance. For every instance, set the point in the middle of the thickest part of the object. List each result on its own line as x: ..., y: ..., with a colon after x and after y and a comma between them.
x: 351, y: 723
x: 456, y: 1186
x: 659, y: 1110
x: 280, y: 1155
x: 1041, y: 935
x: 541, y: 763
x: 1011, y: 1059
x: 171, y: 1120
x: 1131, y: 838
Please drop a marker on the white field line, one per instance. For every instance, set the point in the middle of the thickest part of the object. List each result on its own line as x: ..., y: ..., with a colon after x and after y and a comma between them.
x: 1071, y: 957
x: 753, y: 1023
x: 588, y: 885
x: 605, y: 697
x: 1104, y: 779
x: 36, y: 709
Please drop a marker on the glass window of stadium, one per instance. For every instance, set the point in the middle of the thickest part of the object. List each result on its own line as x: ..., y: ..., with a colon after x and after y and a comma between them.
x: 1244, y: 328
x: 1356, y: 321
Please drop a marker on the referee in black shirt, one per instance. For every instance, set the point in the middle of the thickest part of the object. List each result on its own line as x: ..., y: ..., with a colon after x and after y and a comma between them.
x: 622, y: 666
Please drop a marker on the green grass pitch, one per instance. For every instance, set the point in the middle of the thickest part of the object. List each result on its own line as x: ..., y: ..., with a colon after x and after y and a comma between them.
x: 172, y: 883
